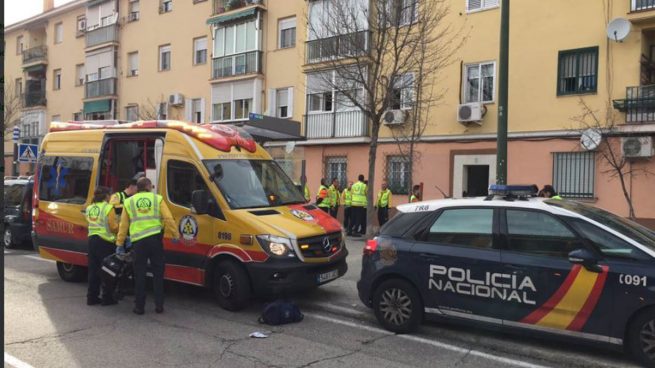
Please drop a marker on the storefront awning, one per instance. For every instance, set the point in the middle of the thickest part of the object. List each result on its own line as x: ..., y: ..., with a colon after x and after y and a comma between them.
x: 270, y: 129
x: 97, y: 106
x: 220, y: 19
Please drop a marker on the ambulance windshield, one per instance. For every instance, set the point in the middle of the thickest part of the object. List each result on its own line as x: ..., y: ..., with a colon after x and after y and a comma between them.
x: 253, y: 183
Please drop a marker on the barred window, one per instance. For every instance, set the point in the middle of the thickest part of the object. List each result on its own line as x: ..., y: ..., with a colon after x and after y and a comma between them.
x: 578, y: 71
x: 574, y: 173
x: 336, y: 167
x: 398, y: 174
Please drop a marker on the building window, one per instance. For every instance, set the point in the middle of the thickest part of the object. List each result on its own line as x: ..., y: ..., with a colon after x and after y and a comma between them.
x: 18, y: 87
x: 398, y: 174
x: 287, y: 33
x: 165, y: 6
x: 401, y: 12
x: 403, y: 92
x: 79, y: 74
x: 132, y: 64
x: 19, y: 45
x: 196, y: 110
x: 282, y: 103
x: 574, y: 174
x: 336, y: 168
x: 81, y: 26
x: 77, y: 116
x: 242, y: 108
x: 222, y: 111
x: 162, y: 111
x: 59, y: 32
x: 164, y: 58
x: 479, y: 82
x: 235, y: 39
x: 200, y: 50
x: 56, y: 79
x: 133, y: 14
x: 477, y: 5
x: 577, y: 71
x: 132, y: 113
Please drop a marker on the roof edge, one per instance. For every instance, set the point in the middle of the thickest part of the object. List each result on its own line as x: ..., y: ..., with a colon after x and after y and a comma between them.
x: 45, y: 15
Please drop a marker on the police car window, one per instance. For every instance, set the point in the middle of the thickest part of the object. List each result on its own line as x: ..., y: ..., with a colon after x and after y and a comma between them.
x: 65, y: 179
x: 539, y: 233
x: 182, y: 179
x: 469, y: 227
x: 402, y: 223
x: 608, y: 244
x: 14, y: 194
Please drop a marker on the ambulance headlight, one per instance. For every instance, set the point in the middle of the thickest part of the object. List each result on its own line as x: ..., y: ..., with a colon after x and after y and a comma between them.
x: 276, y: 246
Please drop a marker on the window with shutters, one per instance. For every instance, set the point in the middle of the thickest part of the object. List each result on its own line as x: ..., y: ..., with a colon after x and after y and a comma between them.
x: 133, y: 64
x: 133, y: 11
x: 132, y: 112
x: 59, y: 32
x: 287, y: 33
x: 479, y: 82
x: 478, y: 5
x: 79, y: 74
x: 19, y: 87
x: 164, y: 58
x: 196, y: 111
x: 401, y: 12
x: 56, y: 79
x: 222, y: 111
x: 398, y: 173
x: 337, y: 168
x: 199, y: 50
x: 282, y: 103
x: 577, y: 71
x: 77, y: 116
x: 20, y: 46
x: 235, y: 100
x: 402, y: 94
x: 165, y: 6
x: 574, y: 174
x: 242, y: 108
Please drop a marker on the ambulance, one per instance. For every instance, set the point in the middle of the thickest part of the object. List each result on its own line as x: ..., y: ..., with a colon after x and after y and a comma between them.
x: 246, y: 229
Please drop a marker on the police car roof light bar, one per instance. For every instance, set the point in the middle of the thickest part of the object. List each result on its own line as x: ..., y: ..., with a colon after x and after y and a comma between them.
x: 510, y: 192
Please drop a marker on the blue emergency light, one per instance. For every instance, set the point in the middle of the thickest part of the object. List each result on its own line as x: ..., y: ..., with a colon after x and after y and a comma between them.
x: 512, y: 190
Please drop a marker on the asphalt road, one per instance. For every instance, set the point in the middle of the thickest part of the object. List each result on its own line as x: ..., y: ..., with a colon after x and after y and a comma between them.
x: 47, y: 324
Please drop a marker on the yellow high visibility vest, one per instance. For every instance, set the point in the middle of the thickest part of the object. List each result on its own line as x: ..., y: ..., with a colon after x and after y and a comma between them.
x: 307, y: 196
x: 323, y: 193
x: 97, y: 217
x: 347, y: 197
x: 333, y: 193
x: 384, y: 198
x: 145, y: 216
x: 359, y: 195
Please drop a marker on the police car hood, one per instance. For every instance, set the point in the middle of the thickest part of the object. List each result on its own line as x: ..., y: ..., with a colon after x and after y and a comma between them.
x: 294, y: 221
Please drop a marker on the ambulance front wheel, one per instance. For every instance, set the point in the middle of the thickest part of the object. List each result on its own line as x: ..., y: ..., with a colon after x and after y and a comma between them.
x: 70, y: 272
x: 641, y: 337
x: 231, y: 286
x: 398, y: 306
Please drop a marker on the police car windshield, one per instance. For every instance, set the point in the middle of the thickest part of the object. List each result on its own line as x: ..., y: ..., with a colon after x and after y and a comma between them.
x: 253, y: 183
x: 631, y: 229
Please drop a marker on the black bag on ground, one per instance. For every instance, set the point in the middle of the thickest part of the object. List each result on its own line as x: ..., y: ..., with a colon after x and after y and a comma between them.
x: 116, y: 273
x: 281, y: 312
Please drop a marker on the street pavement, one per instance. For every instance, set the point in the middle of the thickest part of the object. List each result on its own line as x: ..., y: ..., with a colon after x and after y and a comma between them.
x: 47, y: 324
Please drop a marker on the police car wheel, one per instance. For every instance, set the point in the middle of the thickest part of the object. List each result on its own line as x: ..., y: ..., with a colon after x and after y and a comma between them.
x: 8, y: 238
x: 70, y: 272
x: 398, y: 306
x: 231, y: 286
x: 641, y: 338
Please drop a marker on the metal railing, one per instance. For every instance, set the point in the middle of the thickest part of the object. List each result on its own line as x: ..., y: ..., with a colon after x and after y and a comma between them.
x: 101, y: 35
x: 340, y: 124
x: 637, y: 5
x: 639, y: 104
x: 337, y: 47
x: 34, y: 54
x: 34, y: 98
x: 238, y: 64
x: 102, y: 87
x: 222, y: 6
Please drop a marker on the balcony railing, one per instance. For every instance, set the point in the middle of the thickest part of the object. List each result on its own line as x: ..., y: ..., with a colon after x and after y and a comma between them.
x: 222, y: 6
x: 35, y: 98
x: 34, y: 54
x: 637, y: 5
x: 101, y: 35
x: 239, y: 64
x: 341, y: 124
x: 638, y: 105
x: 342, y: 46
x: 99, y: 88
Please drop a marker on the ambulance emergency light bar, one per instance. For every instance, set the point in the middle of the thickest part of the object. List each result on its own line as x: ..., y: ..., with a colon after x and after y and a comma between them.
x: 512, y: 190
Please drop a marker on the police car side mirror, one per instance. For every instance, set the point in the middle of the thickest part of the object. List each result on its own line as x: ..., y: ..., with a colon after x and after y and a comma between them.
x: 586, y: 259
x: 200, y: 202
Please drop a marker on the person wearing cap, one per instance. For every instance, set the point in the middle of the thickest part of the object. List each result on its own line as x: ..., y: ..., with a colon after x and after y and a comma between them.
x: 102, y: 228
x: 147, y: 218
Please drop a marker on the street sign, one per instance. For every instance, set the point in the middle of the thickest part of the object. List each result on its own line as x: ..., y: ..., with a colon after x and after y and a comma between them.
x: 253, y: 116
x: 16, y: 135
x: 27, y: 152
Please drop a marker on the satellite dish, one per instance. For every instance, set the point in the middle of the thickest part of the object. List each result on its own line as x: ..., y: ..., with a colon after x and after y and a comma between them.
x: 289, y: 147
x: 618, y: 29
x: 590, y: 139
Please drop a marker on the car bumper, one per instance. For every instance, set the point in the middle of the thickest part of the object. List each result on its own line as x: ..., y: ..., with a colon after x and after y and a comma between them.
x: 288, y: 276
x: 364, y: 292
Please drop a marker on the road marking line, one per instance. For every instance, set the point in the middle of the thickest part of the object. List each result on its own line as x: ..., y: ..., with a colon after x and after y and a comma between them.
x: 38, y: 258
x: 15, y: 362
x: 514, y: 362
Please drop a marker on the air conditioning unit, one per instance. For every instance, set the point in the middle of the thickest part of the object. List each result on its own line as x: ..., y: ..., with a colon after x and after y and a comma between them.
x: 636, y: 147
x: 470, y: 113
x: 81, y: 25
x: 176, y: 99
x: 394, y: 117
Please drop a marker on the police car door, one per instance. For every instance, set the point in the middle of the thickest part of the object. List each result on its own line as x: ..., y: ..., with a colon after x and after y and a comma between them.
x: 541, y: 288
x: 457, y: 256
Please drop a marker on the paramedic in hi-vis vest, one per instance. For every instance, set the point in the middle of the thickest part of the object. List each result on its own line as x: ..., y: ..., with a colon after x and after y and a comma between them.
x: 347, y: 199
x: 383, y: 203
x: 118, y: 198
x: 358, y: 208
x: 147, y: 218
x: 102, y: 229
x: 322, y: 198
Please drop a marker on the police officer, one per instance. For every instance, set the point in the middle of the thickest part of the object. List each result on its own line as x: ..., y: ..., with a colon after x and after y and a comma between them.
x: 358, y: 209
x: 382, y: 204
x: 322, y: 198
x: 102, y: 229
x: 416, y: 194
x: 347, y: 200
x: 333, y: 194
x: 549, y: 192
x: 147, y: 219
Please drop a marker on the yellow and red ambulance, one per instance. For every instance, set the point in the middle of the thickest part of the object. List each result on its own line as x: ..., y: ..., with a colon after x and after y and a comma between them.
x: 246, y: 229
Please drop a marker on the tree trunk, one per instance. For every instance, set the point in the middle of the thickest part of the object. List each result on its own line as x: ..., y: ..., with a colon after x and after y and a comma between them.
x: 628, y: 198
x: 372, y: 156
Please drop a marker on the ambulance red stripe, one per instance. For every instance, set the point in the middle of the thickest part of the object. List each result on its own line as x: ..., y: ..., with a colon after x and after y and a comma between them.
x: 538, y: 314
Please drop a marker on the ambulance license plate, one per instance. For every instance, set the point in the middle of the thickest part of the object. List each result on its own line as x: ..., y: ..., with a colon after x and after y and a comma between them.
x: 325, y: 277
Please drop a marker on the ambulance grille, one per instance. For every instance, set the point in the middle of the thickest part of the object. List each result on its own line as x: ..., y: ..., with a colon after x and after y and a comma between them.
x: 315, y: 247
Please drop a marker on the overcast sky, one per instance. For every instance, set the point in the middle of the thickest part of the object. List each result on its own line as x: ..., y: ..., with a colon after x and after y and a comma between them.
x: 17, y: 10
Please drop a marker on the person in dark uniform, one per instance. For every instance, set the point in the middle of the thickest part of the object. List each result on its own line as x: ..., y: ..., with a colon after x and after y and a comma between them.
x: 102, y: 229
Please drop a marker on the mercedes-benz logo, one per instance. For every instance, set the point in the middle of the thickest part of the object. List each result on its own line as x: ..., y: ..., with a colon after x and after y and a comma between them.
x: 326, y: 244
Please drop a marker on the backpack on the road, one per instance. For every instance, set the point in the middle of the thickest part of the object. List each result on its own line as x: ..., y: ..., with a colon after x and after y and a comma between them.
x: 281, y: 312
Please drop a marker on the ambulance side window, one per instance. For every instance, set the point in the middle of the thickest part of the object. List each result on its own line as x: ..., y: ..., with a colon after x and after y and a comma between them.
x: 539, y: 234
x: 65, y: 179
x: 182, y: 179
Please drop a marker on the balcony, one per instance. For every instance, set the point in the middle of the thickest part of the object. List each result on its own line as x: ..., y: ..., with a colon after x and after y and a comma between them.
x: 640, y: 5
x: 38, y: 54
x: 35, y: 98
x: 638, y: 105
x: 337, y: 47
x: 222, y: 6
x: 238, y: 64
x: 340, y: 124
x: 100, y: 88
x: 101, y: 35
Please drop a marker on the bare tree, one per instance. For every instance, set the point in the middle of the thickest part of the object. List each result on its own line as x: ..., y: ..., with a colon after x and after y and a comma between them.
x: 370, y: 53
x: 13, y: 103
x: 150, y: 110
x: 609, y: 151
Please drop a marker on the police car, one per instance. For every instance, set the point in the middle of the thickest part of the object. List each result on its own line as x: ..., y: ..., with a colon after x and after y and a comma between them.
x: 552, y: 266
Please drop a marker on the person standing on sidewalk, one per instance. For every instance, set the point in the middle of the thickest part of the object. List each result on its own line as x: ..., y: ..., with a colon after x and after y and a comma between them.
x: 383, y: 203
x: 147, y: 219
x: 347, y: 200
x: 333, y: 193
x: 416, y: 194
x: 358, y: 209
x: 322, y: 197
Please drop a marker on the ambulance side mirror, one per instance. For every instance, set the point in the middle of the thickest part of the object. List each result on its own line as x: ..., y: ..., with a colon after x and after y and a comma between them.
x: 586, y: 259
x: 200, y: 202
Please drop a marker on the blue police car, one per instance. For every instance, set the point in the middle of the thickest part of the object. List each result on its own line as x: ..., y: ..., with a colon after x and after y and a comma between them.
x: 552, y: 266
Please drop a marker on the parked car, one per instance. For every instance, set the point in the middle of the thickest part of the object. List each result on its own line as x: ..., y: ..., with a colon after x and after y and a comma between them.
x: 18, y: 212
